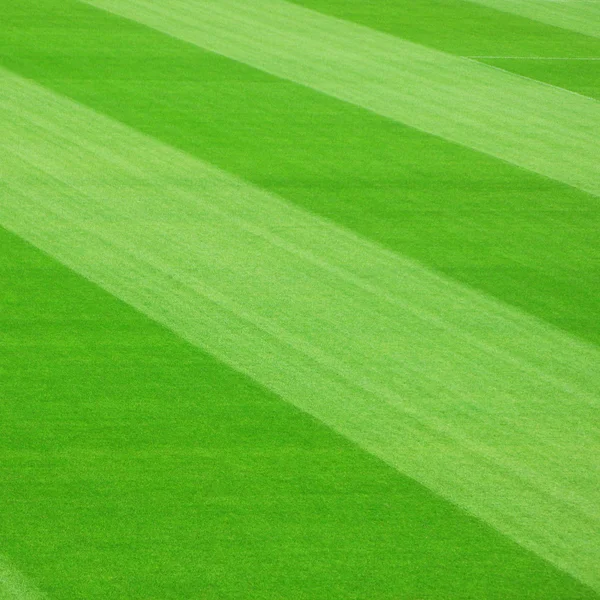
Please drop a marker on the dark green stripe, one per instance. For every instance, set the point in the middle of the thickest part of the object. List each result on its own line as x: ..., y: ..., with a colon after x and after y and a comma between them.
x: 469, y: 29
x: 529, y: 241
x: 581, y: 76
x: 135, y: 466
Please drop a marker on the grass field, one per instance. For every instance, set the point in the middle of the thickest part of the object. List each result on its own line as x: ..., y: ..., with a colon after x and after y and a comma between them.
x: 299, y: 300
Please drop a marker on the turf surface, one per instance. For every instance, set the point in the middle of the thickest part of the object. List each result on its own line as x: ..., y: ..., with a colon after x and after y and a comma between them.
x: 544, y: 129
x: 477, y: 30
x: 479, y: 220
x: 373, y: 345
x: 135, y: 466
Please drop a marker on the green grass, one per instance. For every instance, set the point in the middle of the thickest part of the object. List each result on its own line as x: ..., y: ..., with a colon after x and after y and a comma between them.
x: 472, y: 29
x: 136, y: 466
x: 487, y: 224
x: 133, y: 465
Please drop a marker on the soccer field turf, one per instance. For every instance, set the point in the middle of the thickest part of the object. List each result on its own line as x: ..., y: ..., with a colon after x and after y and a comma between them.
x: 299, y: 300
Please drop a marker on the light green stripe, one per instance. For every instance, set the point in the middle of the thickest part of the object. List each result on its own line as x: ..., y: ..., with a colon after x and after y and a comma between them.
x: 14, y: 586
x: 545, y: 129
x: 489, y: 407
x: 582, y: 16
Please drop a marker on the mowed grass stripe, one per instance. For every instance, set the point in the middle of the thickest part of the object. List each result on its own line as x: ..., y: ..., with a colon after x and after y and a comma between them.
x: 528, y: 240
x: 547, y: 130
x: 14, y: 585
x: 461, y: 27
x: 582, y: 76
x: 489, y: 407
x: 579, y: 15
x: 135, y: 466
x: 477, y: 31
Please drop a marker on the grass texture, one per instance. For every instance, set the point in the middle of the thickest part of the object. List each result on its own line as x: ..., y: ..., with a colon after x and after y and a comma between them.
x: 421, y: 302
x: 546, y: 130
x: 581, y: 15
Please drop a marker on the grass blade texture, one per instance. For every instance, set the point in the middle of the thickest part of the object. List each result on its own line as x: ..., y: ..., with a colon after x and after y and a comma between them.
x: 477, y: 219
x: 579, y: 15
x: 305, y: 308
x: 547, y: 130
x: 491, y: 408
x: 14, y: 586
x: 561, y: 57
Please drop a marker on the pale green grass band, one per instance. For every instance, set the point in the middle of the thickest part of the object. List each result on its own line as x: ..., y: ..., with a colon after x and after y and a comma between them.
x: 489, y: 407
x: 545, y: 129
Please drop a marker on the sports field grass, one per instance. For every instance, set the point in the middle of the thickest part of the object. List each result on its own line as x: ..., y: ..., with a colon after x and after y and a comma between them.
x: 299, y: 300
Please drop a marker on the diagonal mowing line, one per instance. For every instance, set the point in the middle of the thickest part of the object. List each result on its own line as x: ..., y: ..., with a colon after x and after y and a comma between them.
x: 582, y: 16
x: 491, y: 408
x: 14, y: 586
x: 542, y: 128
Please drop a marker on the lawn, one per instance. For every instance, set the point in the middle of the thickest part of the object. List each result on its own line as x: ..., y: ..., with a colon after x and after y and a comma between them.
x: 216, y: 281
